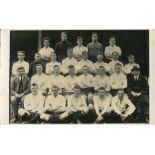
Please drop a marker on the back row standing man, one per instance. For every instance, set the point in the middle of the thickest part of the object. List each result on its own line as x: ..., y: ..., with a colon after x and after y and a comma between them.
x: 62, y: 46
x: 94, y: 48
x: 109, y: 50
x: 46, y: 51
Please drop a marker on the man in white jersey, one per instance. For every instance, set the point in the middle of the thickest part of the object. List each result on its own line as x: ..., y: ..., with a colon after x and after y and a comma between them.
x: 129, y: 66
x: 56, y: 79
x: 46, y: 51
x: 84, y: 62
x: 122, y: 107
x: 51, y: 64
x: 33, y: 105
x: 70, y: 60
x: 77, y: 107
x: 102, y: 80
x: 55, y: 107
x: 86, y: 83
x: 100, y: 62
x: 40, y: 79
x: 109, y: 50
x: 118, y: 80
x: 112, y: 63
x: 77, y: 50
x: 20, y: 63
x: 70, y: 81
x: 102, y: 105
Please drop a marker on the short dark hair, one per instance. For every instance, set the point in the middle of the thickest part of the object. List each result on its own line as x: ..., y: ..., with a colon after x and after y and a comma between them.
x: 115, y: 53
x: 34, y: 84
x: 94, y: 33
x: 79, y: 38
x: 21, y: 52
x: 55, y: 86
x: 70, y: 66
x: 85, y: 66
x: 76, y: 86
x: 112, y: 37
x: 130, y: 56
x: 20, y: 68
x: 84, y: 52
x: 46, y: 38
x: 101, y: 88
x: 56, y: 66
x: 69, y: 48
x: 118, y: 64
x: 101, y: 67
x: 39, y: 64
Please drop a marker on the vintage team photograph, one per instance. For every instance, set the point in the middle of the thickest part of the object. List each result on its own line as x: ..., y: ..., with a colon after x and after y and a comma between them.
x: 79, y: 77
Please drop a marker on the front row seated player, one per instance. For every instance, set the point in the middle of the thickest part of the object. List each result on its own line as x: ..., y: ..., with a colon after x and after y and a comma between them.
x: 112, y: 110
x: 20, y: 86
x: 55, y: 107
x: 123, y: 107
x: 33, y: 106
x: 55, y: 110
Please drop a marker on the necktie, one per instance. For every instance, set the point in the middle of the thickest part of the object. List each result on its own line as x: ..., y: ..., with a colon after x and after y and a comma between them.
x: 21, y: 85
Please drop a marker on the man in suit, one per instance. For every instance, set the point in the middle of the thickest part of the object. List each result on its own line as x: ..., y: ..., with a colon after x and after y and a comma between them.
x: 138, y: 92
x: 20, y: 86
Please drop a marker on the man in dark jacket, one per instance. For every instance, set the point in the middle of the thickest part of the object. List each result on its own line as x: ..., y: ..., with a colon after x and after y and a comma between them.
x: 37, y: 60
x: 138, y: 92
x: 61, y: 47
x: 20, y: 86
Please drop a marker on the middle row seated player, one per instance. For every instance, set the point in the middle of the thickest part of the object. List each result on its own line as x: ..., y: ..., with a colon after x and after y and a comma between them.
x: 87, y: 82
x: 70, y: 60
x: 75, y: 109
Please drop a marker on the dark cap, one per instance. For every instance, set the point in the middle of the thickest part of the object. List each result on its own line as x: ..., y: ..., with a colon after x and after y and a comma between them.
x: 135, y: 68
x: 79, y: 38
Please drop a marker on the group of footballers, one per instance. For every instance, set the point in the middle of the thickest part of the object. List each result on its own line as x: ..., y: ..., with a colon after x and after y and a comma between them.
x: 78, y: 85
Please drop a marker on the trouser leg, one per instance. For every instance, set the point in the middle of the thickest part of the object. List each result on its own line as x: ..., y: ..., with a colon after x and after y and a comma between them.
x: 15, y: 105
x: 113, y: 118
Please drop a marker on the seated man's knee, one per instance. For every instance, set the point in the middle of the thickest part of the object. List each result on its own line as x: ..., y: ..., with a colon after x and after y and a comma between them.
x: 21, y: 112
x: 13, y: 99
x: 45, y: 117
x: 91, y: 106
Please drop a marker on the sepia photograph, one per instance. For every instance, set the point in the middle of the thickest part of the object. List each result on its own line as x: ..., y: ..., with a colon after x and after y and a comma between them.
x: 79, y: 76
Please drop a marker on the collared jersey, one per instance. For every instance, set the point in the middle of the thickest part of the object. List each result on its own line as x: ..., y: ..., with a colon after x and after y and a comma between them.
x: 18, y: 64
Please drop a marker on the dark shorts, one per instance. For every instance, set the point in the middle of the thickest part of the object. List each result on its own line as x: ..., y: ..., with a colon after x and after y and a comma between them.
x: 32, y: 118
x: 54, y: 117
x: 86, y: 91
